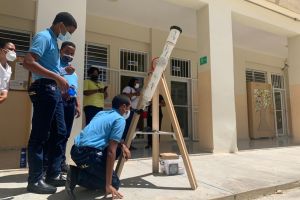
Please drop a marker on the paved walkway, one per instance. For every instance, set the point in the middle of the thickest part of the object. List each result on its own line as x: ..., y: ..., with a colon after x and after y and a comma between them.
x: 243, y: 175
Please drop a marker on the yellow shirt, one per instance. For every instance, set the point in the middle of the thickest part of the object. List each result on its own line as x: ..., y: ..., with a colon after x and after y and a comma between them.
x: 96, y: 99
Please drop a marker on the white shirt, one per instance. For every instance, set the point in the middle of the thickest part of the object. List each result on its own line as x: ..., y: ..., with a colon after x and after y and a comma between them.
x: 134, y: 99
x: 5, y: 74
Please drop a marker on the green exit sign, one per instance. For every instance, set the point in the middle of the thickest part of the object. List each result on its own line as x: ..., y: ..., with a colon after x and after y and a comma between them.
x: 203, y: 60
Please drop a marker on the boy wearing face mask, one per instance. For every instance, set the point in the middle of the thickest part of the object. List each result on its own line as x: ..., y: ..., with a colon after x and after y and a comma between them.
x: 70, y: 99
x: 94, y: 94
x: 48, y: 125
x: 7, y: 53
x: 97, y: 147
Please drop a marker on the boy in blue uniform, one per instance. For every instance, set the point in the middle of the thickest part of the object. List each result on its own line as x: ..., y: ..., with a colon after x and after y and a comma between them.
x: 95, y: 150
x: 43, y: 61
x: 70, y: 99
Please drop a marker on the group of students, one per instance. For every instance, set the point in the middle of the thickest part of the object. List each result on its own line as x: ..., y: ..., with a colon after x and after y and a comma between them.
x: 53, y: 94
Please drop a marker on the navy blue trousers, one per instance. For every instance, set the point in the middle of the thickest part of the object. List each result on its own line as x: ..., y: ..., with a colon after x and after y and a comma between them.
x: 92, y: 165
x: 48, y: 127
x: 69, y: 112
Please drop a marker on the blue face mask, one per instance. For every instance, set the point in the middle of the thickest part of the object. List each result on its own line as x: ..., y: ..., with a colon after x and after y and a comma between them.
x: 64, y: 38
x: 66, y: 58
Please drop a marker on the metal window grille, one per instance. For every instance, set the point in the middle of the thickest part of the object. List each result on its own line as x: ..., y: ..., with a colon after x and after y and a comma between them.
x: 97, y: 55
x: 133, y: 60
x: 180, y: 67
x: 277, y: 81
x: 20, y: 39
x: 256, y: 76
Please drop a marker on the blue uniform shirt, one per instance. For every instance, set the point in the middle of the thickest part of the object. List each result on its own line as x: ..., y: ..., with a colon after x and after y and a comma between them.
x: 105, y: 126
x: 72, y: 78
x: 44, y: 44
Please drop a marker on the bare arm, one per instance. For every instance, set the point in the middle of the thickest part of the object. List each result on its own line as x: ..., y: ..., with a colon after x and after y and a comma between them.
x: 111, y: 156
x: 3, y: 95
x: 31, y: 64
x: 90, y: 92
x: 78, y: 110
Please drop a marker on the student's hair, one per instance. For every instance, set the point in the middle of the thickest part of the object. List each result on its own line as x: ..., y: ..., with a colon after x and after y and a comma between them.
x: 131, y: 82
x: 66, y: 18
x: 67, y: 43
x: 3, y: 43
x: 120, y: 100
x: 91, y: 70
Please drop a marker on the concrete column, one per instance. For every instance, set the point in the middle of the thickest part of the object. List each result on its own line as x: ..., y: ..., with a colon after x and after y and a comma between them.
x: 45, y: 13
x: 294, y: 84
x: 217, y: 117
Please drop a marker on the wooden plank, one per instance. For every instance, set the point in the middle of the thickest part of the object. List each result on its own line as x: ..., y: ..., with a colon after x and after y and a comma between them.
x: 178, y: 133
x: 155, y: 137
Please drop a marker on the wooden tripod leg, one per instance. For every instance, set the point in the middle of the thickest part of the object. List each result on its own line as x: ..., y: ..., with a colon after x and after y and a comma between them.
x: 128, y: 141
x: 178, y: 133
x: 155, y: 136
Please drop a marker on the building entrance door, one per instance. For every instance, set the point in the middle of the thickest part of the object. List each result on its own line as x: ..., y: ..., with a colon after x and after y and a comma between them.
x: 179, y: 94
x: 280, y: 112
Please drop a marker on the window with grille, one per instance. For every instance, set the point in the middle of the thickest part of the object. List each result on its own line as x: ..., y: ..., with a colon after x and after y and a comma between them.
x: 180, y: 67
x: 277, y: 81
x: 20, y: 39
x: 97, y: 55
x: 133, y: 60
x: 256, y: 76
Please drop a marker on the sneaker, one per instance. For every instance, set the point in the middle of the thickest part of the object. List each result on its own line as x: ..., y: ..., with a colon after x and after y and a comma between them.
x: 57, y: 181
x: 71, y: 182
x: 40, y: 187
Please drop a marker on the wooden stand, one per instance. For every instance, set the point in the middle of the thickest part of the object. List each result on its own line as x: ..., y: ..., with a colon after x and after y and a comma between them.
x: 155, y: 144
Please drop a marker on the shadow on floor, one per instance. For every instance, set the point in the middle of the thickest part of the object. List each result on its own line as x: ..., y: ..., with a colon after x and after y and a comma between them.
x: 9, y: 193
x: 15, y: 178
x: 133, y: 182
x: 139, y: 182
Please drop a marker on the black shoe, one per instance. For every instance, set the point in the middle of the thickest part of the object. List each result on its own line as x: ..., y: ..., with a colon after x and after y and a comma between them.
x: 41, y: 187
x: 57, y: 181
x: 71, y: 181
x: 64, y: 168
x: 131, y: 148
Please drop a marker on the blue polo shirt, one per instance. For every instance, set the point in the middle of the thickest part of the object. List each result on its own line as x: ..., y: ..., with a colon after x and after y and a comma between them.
x: 105, y: 126
x: 44, y: 44
x: 72, y: 79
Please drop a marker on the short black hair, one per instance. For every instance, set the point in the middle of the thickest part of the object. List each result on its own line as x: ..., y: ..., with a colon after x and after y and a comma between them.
x: 119, y: 100
x: 66, y: 18
x: 91, y: 70
x: 3, y: 43
x: 67, y: 43
x: 131, y: 81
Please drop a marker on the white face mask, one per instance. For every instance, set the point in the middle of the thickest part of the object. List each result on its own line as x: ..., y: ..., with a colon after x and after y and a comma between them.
x: 11, y: 56
x: 126, y: 114
x: 137, y: 85
x: 65, y: 37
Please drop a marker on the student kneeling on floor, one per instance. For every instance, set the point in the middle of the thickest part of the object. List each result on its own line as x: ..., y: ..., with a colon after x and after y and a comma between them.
x: 96, y: 148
